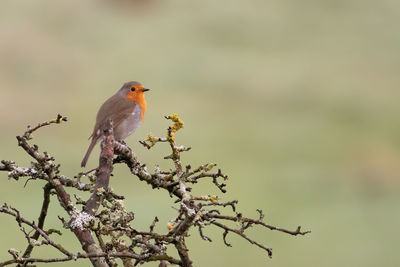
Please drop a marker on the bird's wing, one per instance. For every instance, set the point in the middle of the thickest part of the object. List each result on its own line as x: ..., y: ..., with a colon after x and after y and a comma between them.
x: 117, y: 108
x: 123, y: 113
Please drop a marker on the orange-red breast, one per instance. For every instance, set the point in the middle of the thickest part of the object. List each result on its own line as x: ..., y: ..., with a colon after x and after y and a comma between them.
x: 126, y: 109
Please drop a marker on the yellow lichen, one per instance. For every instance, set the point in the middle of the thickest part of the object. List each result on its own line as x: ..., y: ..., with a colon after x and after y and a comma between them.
x: 178, y: 124
x: 213, y: 200
x: 208, y: 167
x: 100, y: 190
x: 170, y: 226
x: 153, y: 140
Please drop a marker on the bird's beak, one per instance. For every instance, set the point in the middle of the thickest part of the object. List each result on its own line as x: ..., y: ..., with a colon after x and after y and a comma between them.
x: 145, y: 89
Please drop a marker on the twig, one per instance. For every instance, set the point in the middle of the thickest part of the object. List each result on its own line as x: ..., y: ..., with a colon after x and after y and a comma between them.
x: 121, y: 255
x: 223, y: 204
x: 257, y: 222
x: 30, y: 130
x: 43, y: 213
x: 228, y: 229
x: 15, y: 213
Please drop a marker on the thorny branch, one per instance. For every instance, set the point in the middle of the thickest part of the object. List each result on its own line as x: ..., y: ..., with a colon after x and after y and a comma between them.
x: 104, y: 217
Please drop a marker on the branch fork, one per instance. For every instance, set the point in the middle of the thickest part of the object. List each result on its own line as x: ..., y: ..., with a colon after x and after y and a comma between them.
x: 103, y: 225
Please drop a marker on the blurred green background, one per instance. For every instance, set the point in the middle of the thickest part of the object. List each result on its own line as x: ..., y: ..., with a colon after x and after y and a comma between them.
x: 298, y: 101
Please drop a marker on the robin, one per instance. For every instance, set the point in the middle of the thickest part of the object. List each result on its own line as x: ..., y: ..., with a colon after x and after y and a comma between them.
x: 126, y: 109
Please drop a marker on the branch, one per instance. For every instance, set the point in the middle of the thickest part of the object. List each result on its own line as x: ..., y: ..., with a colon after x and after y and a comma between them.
x: 43, y: 213
x: 258, y: 222
x: 50, y: 170
x: 227, y: 229
x: 104, y: 170
x: 183, y: 253
x: 30, y: 130
x: 15, y: 213
x: 93, y: 256
x: 111, y: 223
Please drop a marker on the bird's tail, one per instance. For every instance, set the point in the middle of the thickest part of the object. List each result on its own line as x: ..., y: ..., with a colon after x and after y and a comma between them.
x: 91, y: 146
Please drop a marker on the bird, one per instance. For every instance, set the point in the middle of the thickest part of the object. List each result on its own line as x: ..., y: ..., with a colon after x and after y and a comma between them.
x: 126, y: 109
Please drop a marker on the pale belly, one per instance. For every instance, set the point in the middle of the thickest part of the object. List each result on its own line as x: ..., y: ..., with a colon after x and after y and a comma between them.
x: 129, y: 125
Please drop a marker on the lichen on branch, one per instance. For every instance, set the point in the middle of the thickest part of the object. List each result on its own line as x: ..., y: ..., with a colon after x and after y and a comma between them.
x: 103, y: 225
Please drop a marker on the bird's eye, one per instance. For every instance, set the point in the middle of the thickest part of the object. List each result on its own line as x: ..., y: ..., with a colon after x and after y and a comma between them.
x: 133, y: 89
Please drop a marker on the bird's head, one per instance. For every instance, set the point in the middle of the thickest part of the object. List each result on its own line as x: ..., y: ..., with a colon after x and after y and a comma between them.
x: 134, y: 91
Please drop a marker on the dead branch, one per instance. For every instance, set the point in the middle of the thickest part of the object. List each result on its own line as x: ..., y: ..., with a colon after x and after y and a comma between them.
x: 105, y: 217
x: 42, y: 217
